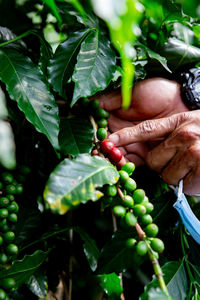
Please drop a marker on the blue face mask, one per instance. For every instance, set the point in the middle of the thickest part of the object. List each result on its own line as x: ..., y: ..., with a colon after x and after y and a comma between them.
x: 192, y: 224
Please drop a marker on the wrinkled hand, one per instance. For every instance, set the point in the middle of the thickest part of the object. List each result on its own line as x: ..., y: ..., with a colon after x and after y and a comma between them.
x: 151, y: 98
x: 177, y: 156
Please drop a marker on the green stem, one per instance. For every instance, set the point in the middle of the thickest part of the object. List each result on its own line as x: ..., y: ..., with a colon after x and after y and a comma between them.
x: 157, y: 269
x: 156, y: 266
x: 185, y: 257
x: 17, y: 38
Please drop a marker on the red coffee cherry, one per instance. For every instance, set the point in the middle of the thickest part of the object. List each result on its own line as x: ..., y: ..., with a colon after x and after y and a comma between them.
x: 106, y: 146
x: 115, y: 155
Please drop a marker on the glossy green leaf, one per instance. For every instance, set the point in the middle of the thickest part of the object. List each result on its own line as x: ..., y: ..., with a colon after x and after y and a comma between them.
x: 153, y: 55
x: 158, y: 294
x: 90, y: 248
x: 76, y: 135
x: 21, y: 270
x: 115, y: 256
x: 6, y: 35
x: 179, y: 53
x: 95, y: 66
x: 27, y: 87
x: 53, y: 7
x: 38, y: 284
x: 61, y: 66
x: 175, y: 279
x: 3, y: 109
x: 110, y: 283
x: 7, y: 144
x: 75, y: 181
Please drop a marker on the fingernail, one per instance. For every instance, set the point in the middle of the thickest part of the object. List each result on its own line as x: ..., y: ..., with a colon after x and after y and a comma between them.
x: 114, y: 138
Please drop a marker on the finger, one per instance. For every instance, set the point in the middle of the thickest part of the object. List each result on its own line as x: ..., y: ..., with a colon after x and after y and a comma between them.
x: 110, y: 101
x: 137, y: 160
x: 178, y: 168
x: 191, y: 183
x: 115, y: 124
x: 141, y: 149
x: 148, y: 130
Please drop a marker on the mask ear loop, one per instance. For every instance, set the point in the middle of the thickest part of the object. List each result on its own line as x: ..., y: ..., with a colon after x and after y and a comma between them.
x: 180, y: 188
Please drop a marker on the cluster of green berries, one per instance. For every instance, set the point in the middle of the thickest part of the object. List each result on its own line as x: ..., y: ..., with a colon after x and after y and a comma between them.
x: 101, y: 116
x: 9, y: 191
x: 134, y: 207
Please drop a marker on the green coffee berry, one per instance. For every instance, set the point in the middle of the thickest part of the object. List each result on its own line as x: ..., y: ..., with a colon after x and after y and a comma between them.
x: 9, y: 236
x: 141, y: 248
x: 139, y: 210
x: 10, y: 197
x: 4, y: 228
x: 157, y: 245
x: 1, y: 185
x: 129, y: 167
x: 1, y: 241
x: 111, y: 190
x: 101, y: 134
x: 3, y: 295
x: 146, y: 219
x: 138, y: 196
x: 7, y: 177
x: 3, y: 258
x: 3, y: 213
x: 8, y: 283
x: 123, y: 176
x: 4, y: 201
x: 13, y: 218
x: 130, y: 243
x: 130, y: 184
x: 13, y: 207
x: 149, y: 207
x: 130, y: 219
x: 19, y: 189
x: 3, y: 222
x: 102, y: 123
x: 100, y: 113
x: 107, y: 200
x: 119, y: 211
x: 151, y: 230
x: 12, y: 249
x: 10, y: 189
x: 128, y: 201
x: 94, y: 104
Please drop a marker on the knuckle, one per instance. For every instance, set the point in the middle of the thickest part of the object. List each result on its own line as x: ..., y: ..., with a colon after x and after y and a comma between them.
x: 146, y: 127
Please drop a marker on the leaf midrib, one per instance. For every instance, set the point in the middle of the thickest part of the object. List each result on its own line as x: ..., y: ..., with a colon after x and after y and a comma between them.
x: 15, y: 72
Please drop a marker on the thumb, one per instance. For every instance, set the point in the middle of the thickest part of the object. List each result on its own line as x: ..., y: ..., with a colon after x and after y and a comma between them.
x: 148, y: 130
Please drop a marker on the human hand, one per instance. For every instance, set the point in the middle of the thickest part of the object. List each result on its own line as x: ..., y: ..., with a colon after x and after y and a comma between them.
x: 151, y: 98
x: 177, y: 156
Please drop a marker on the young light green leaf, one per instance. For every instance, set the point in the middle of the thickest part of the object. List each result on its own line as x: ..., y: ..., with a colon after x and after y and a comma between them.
x: 95, y: 66
x: 27, y: 87
x: 75, y: 181
x: 110, y: 283
x: 61, y: 66
x: 76, y: 135
x: 122, y: 18
x: 21, y: 270
x: 53, y: 7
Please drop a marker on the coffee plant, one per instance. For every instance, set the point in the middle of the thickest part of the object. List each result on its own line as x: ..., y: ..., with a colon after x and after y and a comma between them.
x: 74, y: 223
